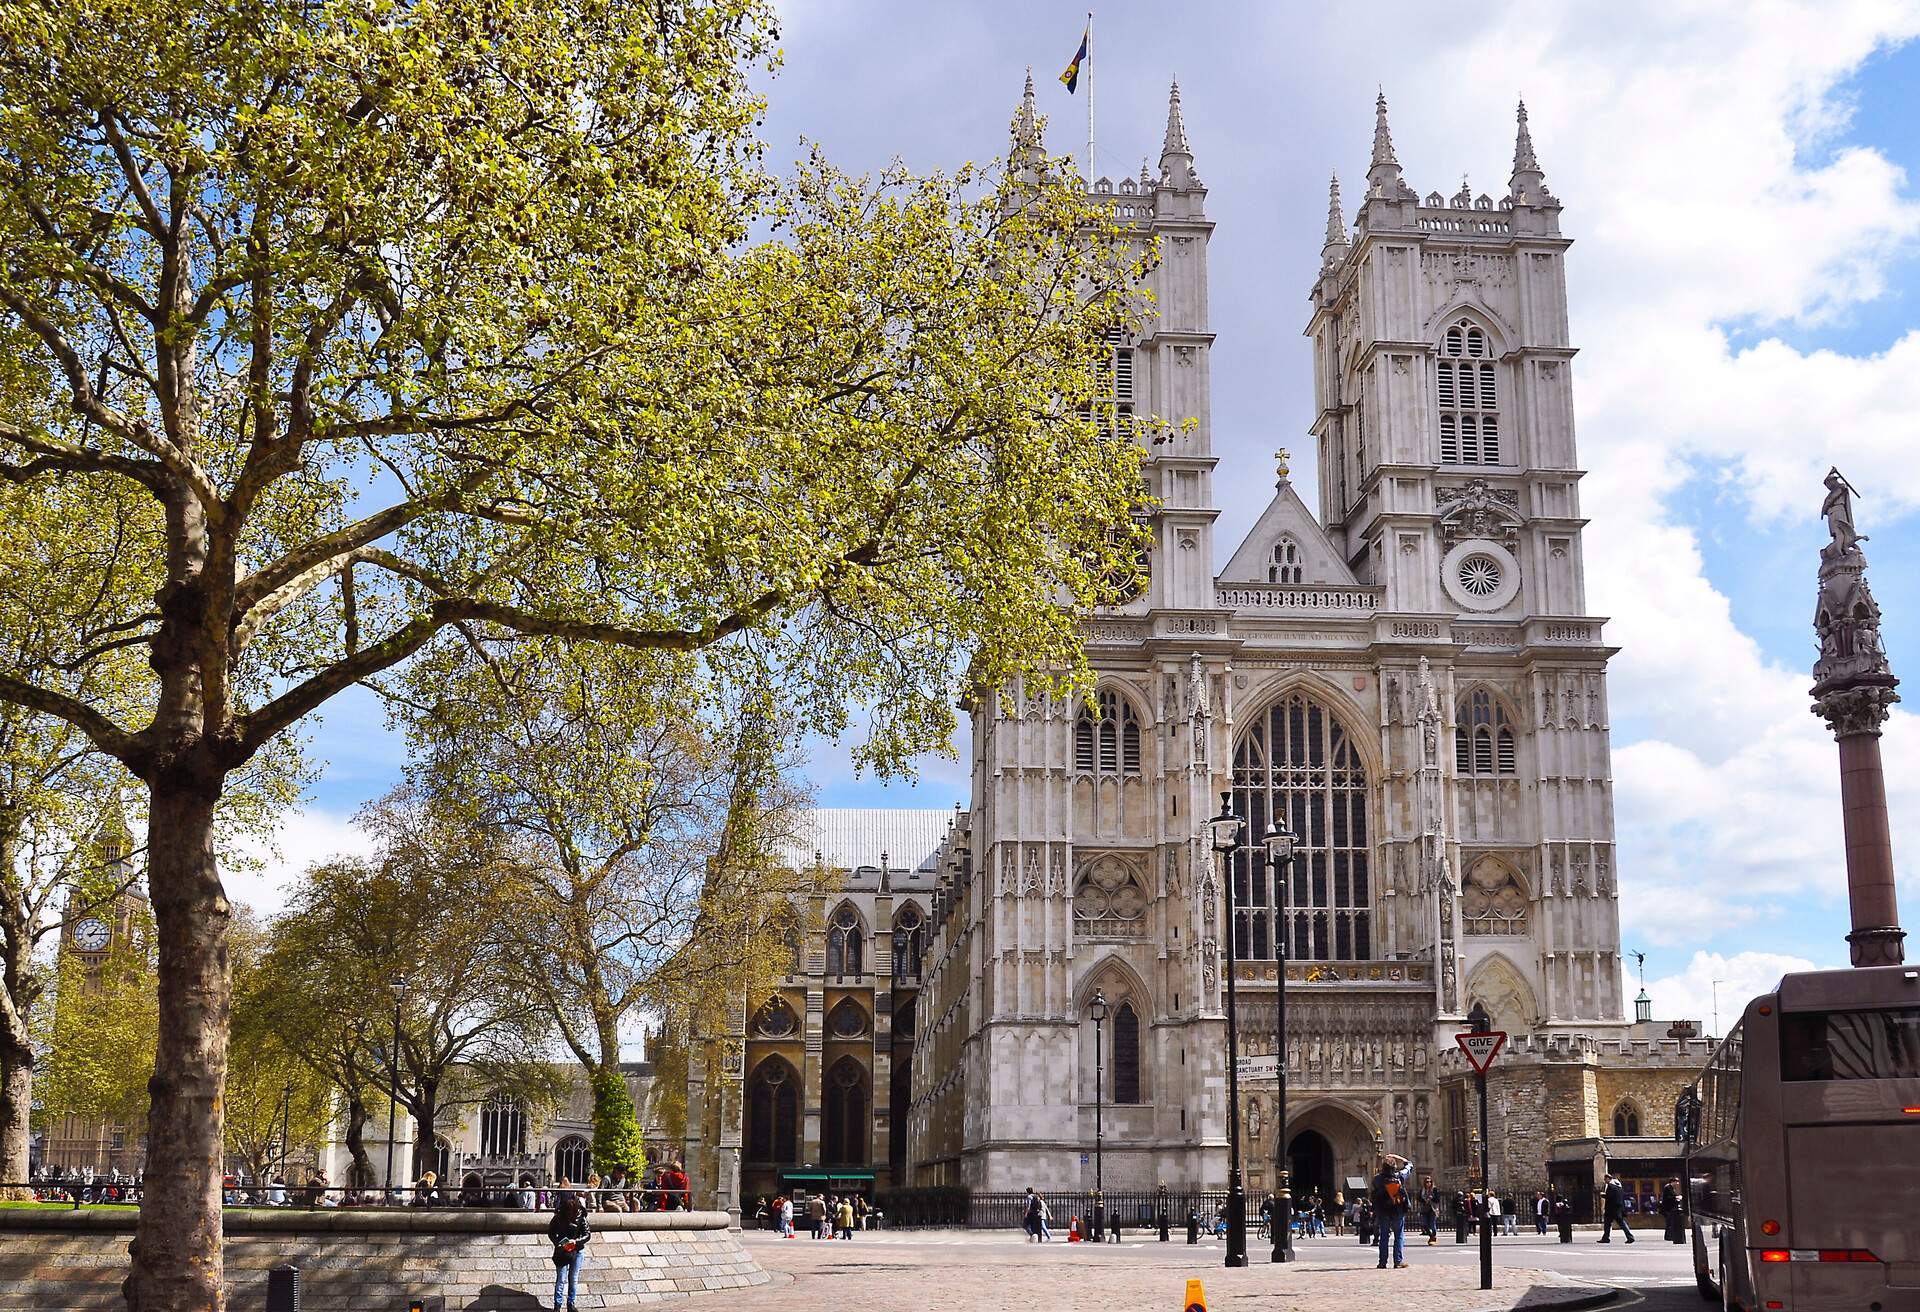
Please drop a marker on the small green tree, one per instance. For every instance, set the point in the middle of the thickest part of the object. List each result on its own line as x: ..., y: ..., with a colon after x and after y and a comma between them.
x: 618, y: 1144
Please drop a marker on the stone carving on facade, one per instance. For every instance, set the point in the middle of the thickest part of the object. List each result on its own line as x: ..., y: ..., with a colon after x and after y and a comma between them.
x: 1199, y: 712
x: 1393, y: 699
x: 1110, y: 899
x: 1476, y: 512
x: 1057, y: 874
x: 1031, y: 882
x: 1402, y: 1119
x: 1422, y: 1117
x: 1493, y: 900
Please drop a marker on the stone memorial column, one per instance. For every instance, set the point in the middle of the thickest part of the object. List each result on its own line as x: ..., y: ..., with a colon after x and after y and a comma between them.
x: 1853, y: 686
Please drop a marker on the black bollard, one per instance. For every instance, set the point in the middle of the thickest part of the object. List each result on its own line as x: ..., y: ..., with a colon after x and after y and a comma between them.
x: 283, y: 1289
x: 1566, y: 1230
x: 1193, y: 1225
x: 1461, y: 1226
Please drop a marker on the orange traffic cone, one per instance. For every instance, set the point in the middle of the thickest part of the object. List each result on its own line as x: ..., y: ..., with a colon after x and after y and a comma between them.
x: 1073, y: 1231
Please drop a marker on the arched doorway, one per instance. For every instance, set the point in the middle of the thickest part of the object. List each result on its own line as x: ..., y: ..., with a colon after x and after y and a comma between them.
x: 1310, y: 1159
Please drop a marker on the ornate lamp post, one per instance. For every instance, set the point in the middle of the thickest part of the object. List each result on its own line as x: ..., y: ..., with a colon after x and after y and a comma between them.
x: 1279, y: 840
x: 1097, y: 1012
x: 1227, y: 830
x: 398, y: 984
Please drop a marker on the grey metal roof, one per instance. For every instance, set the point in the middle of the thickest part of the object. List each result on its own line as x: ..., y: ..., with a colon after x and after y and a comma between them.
x: 848, y: 837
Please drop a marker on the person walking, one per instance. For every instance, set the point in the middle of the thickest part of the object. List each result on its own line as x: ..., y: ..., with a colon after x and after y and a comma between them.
x: 1389, y: 1196
x: 1673, y: 1206
x: 1429, y: 1210
x: 1613, y: 1210
x: 786, y: 1216
x: 569, y: 1232
x: 1030, y: 1216
x: 1563, y: 1217
x: 1493, y: 1213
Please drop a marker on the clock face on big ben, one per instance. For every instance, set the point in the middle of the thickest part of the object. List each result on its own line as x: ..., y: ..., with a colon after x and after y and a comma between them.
x: 91, y: 934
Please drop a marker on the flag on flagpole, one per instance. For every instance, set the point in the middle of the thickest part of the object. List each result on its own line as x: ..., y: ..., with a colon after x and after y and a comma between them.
x: 1072, y: 76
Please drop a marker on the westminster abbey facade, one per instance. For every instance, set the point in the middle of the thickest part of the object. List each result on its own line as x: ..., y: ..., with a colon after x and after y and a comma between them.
x: 1412, y: 680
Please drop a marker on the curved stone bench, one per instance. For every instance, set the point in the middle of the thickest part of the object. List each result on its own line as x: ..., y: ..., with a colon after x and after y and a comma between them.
x: 358, y: 1260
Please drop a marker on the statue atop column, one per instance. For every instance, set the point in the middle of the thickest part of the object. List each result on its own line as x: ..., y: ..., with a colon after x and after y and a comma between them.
x: 1853, y: 687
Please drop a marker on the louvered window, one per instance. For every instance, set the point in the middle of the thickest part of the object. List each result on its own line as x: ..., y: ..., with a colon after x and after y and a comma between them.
x: 1483, y: 738
x: 1286, y: 566
x: 1111, y: 744
x: 1113, y: 385
x: 1467, y: 389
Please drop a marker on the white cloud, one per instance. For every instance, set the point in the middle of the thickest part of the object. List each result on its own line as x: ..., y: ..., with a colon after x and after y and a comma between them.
x: 1690, y: 995
x: 267, y: 869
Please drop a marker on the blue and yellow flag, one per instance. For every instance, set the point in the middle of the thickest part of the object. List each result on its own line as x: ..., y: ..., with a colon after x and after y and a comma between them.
x: 1072, y: 76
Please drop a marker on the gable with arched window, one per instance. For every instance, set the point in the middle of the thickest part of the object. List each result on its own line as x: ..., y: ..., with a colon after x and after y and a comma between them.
x: 1116, y: 1055
x: 1287, y: 566
x: 1626, y: 1121
x: 846, y: 942
x: 1484, y: 745
x: 773, y: 1113
x: 1109, y: 744
x: 1468, y: 396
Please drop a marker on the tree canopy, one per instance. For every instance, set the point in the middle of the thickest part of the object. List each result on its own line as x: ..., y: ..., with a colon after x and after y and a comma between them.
x: 406, y: 318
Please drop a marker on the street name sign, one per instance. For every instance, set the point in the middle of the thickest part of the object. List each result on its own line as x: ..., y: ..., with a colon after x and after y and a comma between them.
x: 1481, y: 1049
x: 1259, y: 1068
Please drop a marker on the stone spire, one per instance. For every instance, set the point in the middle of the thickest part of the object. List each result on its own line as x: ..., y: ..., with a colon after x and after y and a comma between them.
x: 1528, y: 185
x: 1029, y: 155
x: 1335, y: 249
x: 1853, y: 687
x: 1383, y: 176
x: 1176, y: 157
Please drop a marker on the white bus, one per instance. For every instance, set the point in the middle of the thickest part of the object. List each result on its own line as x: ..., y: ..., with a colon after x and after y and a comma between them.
x: 1803, y: 1148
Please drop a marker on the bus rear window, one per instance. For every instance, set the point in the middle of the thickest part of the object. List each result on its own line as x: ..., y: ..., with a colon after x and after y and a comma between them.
x: 1850, y: 1045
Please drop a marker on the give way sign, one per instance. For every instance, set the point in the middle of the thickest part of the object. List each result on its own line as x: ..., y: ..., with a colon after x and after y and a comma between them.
x: 1481, y: 1049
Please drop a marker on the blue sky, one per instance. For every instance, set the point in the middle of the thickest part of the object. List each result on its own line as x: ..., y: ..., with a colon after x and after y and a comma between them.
x: 1740, y: 180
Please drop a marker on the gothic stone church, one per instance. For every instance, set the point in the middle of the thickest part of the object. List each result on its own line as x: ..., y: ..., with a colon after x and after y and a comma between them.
x: 1413, y: 682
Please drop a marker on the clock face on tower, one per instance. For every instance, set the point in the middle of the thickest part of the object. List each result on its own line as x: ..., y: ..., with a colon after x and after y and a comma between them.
x: 91, y: 934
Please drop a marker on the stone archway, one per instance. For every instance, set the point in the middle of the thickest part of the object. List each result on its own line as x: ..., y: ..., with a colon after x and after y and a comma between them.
x: 1311, y: 1161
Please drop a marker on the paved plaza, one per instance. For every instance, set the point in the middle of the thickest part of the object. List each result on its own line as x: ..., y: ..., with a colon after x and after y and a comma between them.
x: 975, y: 1271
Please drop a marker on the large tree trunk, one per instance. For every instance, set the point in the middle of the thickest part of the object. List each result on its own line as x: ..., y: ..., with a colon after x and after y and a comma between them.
x: 360, y: 1174
x: 425, y: 1110
x: 16, y: 1102
x: 176, y: 1265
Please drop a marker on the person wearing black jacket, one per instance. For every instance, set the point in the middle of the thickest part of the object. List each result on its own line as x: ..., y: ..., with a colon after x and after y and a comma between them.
x: 569, y: 1232
x: 1613, y: 1211
x: 1674, y: 1208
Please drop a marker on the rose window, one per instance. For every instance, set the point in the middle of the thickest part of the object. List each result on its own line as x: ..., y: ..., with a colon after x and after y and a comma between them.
x: 1480, y: 575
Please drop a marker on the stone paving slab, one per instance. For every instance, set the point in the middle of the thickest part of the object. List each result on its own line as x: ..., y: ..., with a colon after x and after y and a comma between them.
x: 842, y: 1277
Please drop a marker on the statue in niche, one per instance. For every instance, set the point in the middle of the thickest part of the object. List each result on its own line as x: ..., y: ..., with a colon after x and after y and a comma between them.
x: 1400, y: 1120
x: 1421, y: 1121
x: 1399, y: 1054
x: 1338, y: 1057
x: 1253, y: 1119
x: 1420, y: 1059
x: 1313, y: 1052
x: 1393, y: 699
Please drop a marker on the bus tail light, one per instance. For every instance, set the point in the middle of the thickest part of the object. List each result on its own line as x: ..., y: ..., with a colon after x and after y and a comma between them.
x: 1774, y: 1303
x: 1769, y: 1227
x: 1911, y: 1111
x: 1816, y: 1255
x: 1775, y: 1255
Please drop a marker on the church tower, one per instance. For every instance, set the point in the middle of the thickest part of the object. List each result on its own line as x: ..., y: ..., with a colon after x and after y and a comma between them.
x: 1448, y: 478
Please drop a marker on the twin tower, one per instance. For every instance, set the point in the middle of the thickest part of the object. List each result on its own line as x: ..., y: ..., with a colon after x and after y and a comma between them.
x: 1411, y: 680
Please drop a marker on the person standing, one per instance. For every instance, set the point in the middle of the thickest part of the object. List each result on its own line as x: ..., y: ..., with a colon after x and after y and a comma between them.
x: 1613, y: 1210
x: 786, y: 1216
x: 569, y: 1232
x: 1390, y: 1206
x: 1673, y: 1206
x: 817, y: 1216
x: 846, y: 1218
x: 1510, y: 1215
x: 1540, y: 1209
x: 1493, y: 1213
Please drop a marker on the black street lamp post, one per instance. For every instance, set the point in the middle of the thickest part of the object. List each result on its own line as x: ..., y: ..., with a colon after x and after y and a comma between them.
x: 1227, y: 831
x: 399, y: 986
x: 1279, y: 840
x: 1097, y: 1011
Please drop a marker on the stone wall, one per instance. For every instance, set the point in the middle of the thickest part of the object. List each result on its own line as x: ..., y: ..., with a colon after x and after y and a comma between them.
x: 353, y: 1260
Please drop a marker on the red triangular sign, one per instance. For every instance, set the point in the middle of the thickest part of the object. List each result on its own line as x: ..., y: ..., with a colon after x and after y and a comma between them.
x: 1481, y: 1049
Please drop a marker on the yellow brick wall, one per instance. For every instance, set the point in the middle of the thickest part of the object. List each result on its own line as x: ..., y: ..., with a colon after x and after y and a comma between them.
x: 1652, y: 1091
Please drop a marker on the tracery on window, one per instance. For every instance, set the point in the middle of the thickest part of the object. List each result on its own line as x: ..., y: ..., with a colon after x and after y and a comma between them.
x: 1298, y: 760
x: 1111, y: 743
x: 1483, y: 737
x: 846, y: 942
x: 1126, y: 1054
x: 909, y: 942
x: 1110, y: 899
x: 775, y: 1019
x: 773, y: 1113
x: 847, y: 1020
x: 1287, y: 566
x: 503, y: 1126
x: 1626, y: 1120
x: 1468, y: 395
x: 845, y: 1124
x: 1493, y: 900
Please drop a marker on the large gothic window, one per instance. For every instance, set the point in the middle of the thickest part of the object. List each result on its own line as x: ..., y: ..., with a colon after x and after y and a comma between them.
x: 573, y: 1159
x: 773, y: 1113
x: 909, y: 942
x: 846, y: 939
x: 1126, y: 1054
x: 1483, y: 742
x: 503, y: 1127
x: 1297, y: 760
x: 1469, y: 399
x: 844, y: 1126
x: 1111, y: 744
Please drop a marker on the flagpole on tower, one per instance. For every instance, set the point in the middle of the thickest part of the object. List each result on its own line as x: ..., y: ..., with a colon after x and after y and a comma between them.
x: 1091, y: 172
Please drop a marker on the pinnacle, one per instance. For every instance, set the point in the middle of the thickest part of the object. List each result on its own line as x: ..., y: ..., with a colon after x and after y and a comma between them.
x: 1527, y: 182
x: 1176, y: 140
x: 1336, y: 218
